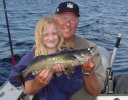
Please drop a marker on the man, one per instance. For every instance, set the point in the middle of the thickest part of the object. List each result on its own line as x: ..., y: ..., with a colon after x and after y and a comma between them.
x: 67, y: 14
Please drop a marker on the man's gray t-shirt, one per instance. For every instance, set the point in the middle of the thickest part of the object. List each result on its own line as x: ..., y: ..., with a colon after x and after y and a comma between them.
x: 82, y: 94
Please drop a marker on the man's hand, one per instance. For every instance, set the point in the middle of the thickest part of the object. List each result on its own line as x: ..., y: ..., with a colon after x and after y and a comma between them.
x: 88, y: 67
x: 41, y: 80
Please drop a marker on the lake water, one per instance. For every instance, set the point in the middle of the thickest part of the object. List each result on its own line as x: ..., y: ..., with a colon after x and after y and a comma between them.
x: 100, y: 21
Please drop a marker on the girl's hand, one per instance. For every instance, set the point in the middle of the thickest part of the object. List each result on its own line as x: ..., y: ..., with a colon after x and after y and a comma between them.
x: 59, y: 69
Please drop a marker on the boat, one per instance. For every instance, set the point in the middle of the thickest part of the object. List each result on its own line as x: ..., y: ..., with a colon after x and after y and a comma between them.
x: 8, y: 90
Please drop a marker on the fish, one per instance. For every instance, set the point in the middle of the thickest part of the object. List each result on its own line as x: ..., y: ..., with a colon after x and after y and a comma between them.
x: 68, y: 58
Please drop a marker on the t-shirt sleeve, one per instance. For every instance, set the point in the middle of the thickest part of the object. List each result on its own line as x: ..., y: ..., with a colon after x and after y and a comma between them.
x: 99, y: 68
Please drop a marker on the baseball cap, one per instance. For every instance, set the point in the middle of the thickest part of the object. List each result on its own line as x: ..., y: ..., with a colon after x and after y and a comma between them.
x: 67, y: 6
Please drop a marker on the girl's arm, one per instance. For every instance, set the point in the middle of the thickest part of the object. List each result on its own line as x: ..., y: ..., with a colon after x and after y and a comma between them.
x: 19, y: 67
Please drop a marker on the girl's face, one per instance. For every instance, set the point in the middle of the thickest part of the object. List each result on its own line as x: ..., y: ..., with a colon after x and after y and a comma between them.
x: 50, y: 36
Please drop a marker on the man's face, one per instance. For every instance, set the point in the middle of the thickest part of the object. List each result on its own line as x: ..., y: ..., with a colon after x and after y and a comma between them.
x: 69, y: 23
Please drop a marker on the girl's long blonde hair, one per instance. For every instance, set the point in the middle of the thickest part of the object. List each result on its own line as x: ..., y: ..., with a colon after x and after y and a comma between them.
x: 39, y: 31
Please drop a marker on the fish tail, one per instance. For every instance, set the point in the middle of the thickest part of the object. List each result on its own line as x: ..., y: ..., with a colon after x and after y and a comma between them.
x: 21, y: 79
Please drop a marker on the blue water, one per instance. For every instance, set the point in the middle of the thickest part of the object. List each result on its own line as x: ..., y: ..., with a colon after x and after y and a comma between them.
x: 100, y: 21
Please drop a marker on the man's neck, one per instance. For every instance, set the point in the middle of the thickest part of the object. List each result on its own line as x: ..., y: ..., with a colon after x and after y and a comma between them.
x: 71, y: 42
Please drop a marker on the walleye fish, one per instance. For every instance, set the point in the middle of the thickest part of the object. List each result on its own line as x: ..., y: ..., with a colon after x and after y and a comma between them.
x: 68, y: 58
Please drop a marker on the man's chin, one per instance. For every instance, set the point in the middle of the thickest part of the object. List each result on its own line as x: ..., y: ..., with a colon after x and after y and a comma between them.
x: 66, y: 37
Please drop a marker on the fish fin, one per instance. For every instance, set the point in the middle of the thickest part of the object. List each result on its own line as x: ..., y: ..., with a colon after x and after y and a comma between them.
x: 69, y: 72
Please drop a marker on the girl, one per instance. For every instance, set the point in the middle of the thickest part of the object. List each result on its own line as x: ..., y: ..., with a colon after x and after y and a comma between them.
x: 49, y: 84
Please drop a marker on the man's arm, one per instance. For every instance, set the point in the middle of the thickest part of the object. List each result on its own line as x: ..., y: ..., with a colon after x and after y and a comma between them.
x: 93, y: 83
x: 40, y: 81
